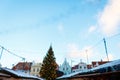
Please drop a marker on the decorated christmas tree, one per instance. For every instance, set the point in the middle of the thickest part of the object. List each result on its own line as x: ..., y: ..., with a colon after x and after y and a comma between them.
x: 48, y: 69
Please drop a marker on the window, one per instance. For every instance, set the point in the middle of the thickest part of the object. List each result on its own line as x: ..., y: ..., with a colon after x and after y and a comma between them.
x: 65, y: 73
x: 73, y: 71
x: 80, y: 67
x: 33, y: 69
x: 66, y: 68
x: 37, y: 69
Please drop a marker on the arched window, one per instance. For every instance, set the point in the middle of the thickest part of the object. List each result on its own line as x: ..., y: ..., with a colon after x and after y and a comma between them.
x: 80, y: 67
x: 33, y: 69
x: 37, y: 69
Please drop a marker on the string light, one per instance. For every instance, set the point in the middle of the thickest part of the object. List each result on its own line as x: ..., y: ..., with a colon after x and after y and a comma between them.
x: 3, y: 48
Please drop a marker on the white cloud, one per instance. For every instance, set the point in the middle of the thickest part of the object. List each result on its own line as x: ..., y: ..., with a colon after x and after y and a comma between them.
x: 75, y: 52
x: 109, y: 18
x: 92, y: 29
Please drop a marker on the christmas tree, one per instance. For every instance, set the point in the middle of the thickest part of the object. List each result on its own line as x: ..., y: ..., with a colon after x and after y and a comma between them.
x: 48, y: 69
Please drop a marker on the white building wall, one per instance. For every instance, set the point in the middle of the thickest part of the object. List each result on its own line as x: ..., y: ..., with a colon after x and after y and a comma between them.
x: 81, y: 67
x: 35, y: 69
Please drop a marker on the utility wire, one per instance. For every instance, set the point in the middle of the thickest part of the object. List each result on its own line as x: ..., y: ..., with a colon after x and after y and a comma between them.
x: 95, y: 44
x: 80, y: 51
x: 86, y: 51
x: 11, y: 53
x: 14, y: 54
x: 118, y: 34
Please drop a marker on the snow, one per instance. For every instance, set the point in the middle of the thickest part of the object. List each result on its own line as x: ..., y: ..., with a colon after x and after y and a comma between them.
x: 72, y: 74
x: 20, y: 74
x: 112, y: 63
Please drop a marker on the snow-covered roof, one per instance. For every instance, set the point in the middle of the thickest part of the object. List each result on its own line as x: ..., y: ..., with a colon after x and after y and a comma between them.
x: 72, y: 74
x: 112, y: 63
x: 20, y: 74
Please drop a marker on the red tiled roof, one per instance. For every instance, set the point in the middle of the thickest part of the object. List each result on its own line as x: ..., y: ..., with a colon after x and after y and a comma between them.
x: 22, y: 66
x: 89, y: 66
x: 75, y: 67
x: 99, y: 62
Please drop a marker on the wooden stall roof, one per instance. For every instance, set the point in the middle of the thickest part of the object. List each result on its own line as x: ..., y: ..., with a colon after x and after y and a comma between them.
x: 97, y: 74
x: 4, y: 75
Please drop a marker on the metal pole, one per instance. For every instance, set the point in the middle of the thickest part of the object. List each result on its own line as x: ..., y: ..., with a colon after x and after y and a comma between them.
x: 71, y: 66
x: 106, y: 48
x: 87, y: 56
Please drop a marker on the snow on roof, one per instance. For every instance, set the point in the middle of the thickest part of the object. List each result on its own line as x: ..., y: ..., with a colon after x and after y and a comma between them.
x: 20, y: 74
x: 72, y: 74
x: 112, y: 63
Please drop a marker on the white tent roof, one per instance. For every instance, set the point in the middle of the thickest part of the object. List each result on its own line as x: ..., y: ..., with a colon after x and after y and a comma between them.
x: 20, y: 74
x: 112, y: 63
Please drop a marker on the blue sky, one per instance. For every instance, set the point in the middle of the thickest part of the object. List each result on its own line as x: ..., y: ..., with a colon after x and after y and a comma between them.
x: 28, y: 27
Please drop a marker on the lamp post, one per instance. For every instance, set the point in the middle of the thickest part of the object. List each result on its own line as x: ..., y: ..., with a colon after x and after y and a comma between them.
x: 106, y: 48
x: 71, y: 65
x: 87, y: 56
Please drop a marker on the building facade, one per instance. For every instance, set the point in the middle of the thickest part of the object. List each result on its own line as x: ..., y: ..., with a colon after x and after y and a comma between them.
x: 106, y: 71
x: 23, y: 67
x: 65, y: 67
x: 97, y: 63
x: 9, y: 74
x: 35, y: 69
x: 79, y: 67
